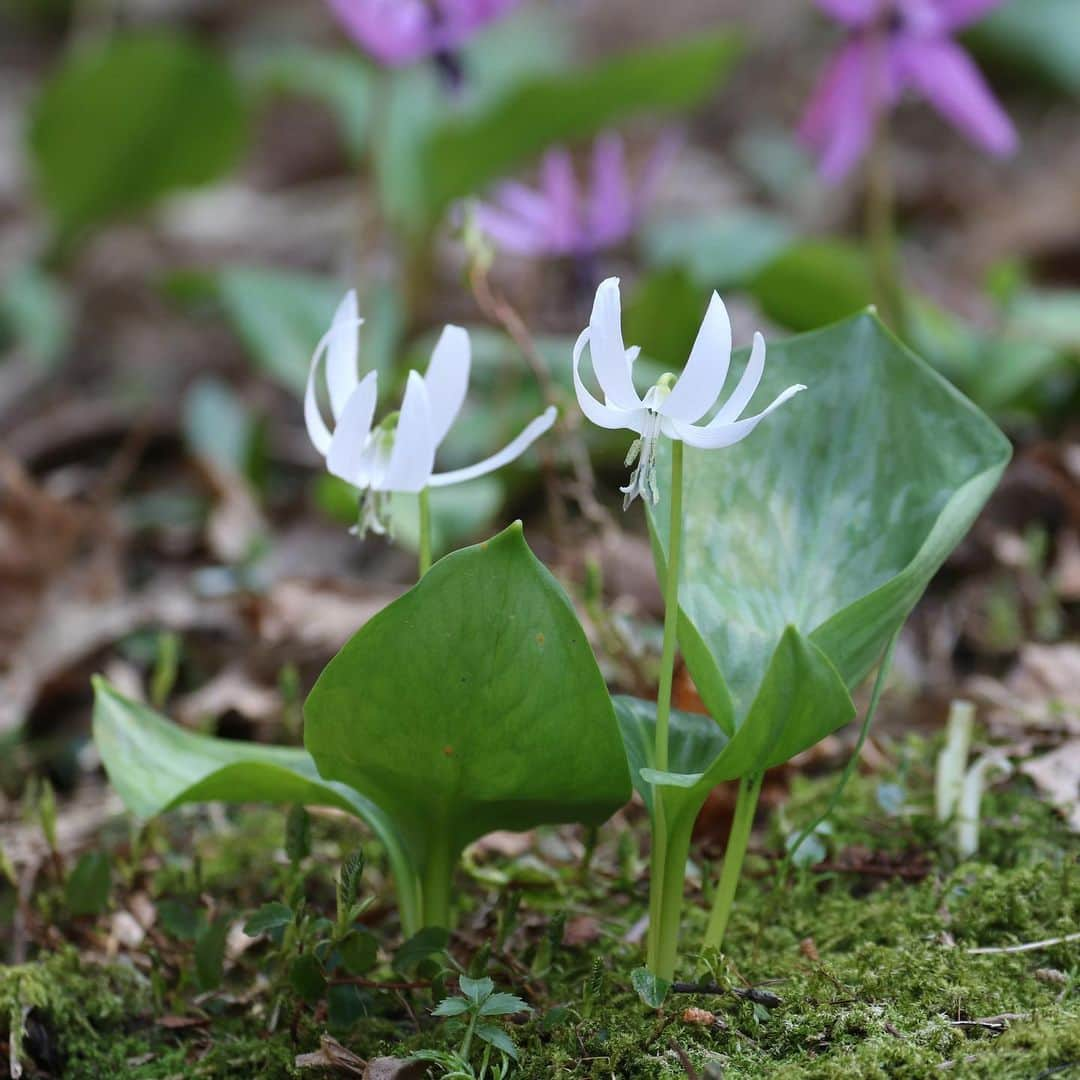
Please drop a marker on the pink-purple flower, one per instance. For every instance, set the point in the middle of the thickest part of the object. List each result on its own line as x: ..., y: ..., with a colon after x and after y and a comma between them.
x: 398, y: 32
x: 560, y: 217
x: 895, y: 46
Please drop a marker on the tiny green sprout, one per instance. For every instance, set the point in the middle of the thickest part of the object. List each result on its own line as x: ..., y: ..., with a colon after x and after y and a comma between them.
x: 478, y: 1002
x: 348, y: 909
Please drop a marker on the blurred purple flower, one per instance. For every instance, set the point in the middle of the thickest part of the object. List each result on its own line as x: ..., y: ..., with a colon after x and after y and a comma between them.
x: 399, y: 32
x: 558, y: 218
x: 893, y: 46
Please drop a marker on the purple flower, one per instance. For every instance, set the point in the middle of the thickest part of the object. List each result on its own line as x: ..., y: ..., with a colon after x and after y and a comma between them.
x: 893, y: 46
x: 558, y: 218
x: 398, y: 32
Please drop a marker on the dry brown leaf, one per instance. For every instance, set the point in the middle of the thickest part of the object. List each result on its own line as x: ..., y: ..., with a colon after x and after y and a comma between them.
x: 581, y: 930
x: 505, y: 843
x: 320, y: 614
x: 231, y: 690
x: 1057, y: 776
x: 1041, y: 692
x: 332, y: 1055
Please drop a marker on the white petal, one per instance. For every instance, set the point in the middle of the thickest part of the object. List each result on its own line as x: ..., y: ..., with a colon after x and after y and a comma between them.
x: 713, y: 437
x: 605, y: 416
x: 702, y: 379
x: 507, y: 454
x: 413, y: 456
x: 347, y: 457
x: 340, y: 330
x: 751, y: 377
x: 342, y: 374
x: 447, y: 379
x: 318, y: 432
x: 609, y: 358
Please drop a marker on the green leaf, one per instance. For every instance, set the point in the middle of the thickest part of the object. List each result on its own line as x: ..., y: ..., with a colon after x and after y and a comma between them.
x: 359, y: 952
x: 125, y: 122
x: 453, y: 707
x: 719, y: 251
x: 349, y: 882
x: 87, y: 889
x: 345, y: 1005
x: 155, y: 766
x: 463, y: 157
x: 451, y: 1006
x: 280, y: 316
x: 339, y: 79
x: 37, y: 312
x: 270, y: 916
x: 413, y: 952
x: 498, y: 1038
x: 219, y: 426
x: 1037, y: 37
x: 649, y: 987
x: 503, y: 1005
x: 663, y: 314
x: 829, y: 521
x: 513, y: 52
x: 298, y: 834
x: 813, y: 283
x: 179, y: 919
x: 476, y: 990
x: 800, y: 700
x: 210, y: 954
x: 307, y: 979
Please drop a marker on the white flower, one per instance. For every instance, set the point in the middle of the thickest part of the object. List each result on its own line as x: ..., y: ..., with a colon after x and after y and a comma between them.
x: 673, y: 405
x: 398, y: 454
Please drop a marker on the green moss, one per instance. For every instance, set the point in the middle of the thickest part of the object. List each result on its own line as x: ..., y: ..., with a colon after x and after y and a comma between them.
x: 888, y: 989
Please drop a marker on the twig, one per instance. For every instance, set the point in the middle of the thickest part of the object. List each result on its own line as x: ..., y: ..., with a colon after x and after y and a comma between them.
x: 685, y: 1062
x: 757, y: 996
x: 374, y: 984
x: 1029, y: 946
x: 992, y: 1023
x: 498, y: 309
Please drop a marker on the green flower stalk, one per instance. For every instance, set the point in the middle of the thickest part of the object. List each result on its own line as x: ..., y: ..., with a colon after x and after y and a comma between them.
x: 672, y: 408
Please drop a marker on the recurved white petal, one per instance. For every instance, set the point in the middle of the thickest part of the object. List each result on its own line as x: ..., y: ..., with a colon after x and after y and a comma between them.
x: 342, y: 353
x: 508, y: 453
x: 447, y: 379
x: 605, y: 416
x: 340, y: 329
x: 714, y: 436
x: 702, y: 379
x: 751, y: 377
x: 413, y: 456
x: 346, y: 457
x: 607, y: 349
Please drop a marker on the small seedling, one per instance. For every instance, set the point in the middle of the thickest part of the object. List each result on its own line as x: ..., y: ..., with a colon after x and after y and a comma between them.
x: 477, y: 1004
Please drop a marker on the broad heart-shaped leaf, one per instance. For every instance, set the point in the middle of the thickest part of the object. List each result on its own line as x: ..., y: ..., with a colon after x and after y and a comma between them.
x: 156, y: 765
x: 120, y: 124
x: 471, y: 703
x: 801, y: 699
x: 831, y: 518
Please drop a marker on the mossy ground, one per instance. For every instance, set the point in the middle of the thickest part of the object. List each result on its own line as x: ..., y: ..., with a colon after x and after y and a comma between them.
x: 872, y: 967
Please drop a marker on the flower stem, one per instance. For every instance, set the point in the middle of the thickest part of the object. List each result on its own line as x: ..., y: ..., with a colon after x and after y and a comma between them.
x: 738, y: 838
x: 671, y: 609
x: 880, y: 226
x: 676, y: 849
x: 663, y: 906
x: 438, y: 872
x: 425, y: 531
